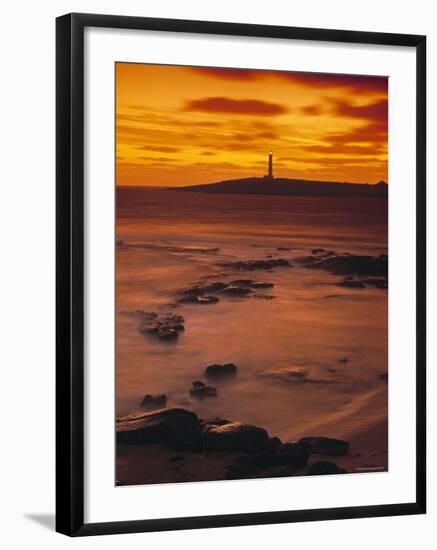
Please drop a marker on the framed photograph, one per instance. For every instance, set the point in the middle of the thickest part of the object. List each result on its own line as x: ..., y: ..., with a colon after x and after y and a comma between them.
x: 240, y: 274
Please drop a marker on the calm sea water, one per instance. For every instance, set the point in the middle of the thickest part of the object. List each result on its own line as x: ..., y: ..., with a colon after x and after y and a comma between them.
x: 311, y: 323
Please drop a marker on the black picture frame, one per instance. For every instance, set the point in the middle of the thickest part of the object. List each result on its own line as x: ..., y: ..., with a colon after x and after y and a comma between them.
x: 70, y: 272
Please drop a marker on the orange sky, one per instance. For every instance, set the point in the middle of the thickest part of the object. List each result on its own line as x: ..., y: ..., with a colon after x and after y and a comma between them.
x: 187, y: 125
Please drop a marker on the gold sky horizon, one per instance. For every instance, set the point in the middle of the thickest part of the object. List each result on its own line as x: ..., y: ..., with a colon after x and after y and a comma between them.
x: 178, y: 126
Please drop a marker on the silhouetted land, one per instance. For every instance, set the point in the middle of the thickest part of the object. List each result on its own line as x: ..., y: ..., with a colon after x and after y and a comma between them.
x: 285, y: 186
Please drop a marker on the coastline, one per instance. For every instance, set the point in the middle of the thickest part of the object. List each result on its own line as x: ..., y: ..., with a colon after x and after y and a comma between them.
x: 367, y: 432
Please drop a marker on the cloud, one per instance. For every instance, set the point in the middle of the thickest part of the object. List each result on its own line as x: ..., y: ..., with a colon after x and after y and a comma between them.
x: 375, y: 112
x: 357, y: 83
x: 267, y: 135
x: 160, y: 148
x: 228, y: 74
x: 312, y: 110
x: 156, y: 159
x: 236, y: 106
x: 375, y: 132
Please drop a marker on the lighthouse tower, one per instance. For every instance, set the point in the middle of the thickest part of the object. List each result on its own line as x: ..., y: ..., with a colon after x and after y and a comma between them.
x: 269, y: 175
x: 271, y: 165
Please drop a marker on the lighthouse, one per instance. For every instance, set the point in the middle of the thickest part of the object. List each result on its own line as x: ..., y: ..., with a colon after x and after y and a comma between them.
x: 271, y: 165
x: 269, y: 175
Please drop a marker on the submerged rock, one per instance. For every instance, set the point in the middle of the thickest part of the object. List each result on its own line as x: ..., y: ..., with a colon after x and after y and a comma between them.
x: 295, y: 375
x: 347, y: 264
x: 378, y: 283
x: 326, y: 445
x: 201, y: 390
x: 351, y: 283
x: 218, y: 370
x: 252, y: 265
x: 165, y: 328
x: 167, y: 333
x: 242, y: 282
x: 324, y: 467
x: 172, y: 427
x: 198, y: 293
x: 154, y: 401
x: 235, y: 436
x: 250, y: 283
x: 235, y: 290
x: 195, y: 299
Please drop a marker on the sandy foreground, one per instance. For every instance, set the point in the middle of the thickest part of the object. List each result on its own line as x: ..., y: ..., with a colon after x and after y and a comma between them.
x: 364, y: 425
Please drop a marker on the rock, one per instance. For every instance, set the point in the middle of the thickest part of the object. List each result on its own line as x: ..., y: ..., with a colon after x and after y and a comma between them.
x: 207, y: 299
x: 235, y: 436
x: 237, y: 291
x: 274, y: 443
x: 251, y: 283
x: 252, y: 265
x: 194, y: 299
x: 167, y: 333
x: 383, y: 376
x: 202, y: 288
x: 165, y: 328
x: 201, y: 390
x: 343, y: 360
x: 283, y: 248
x: 351, y: 283
x: 296, y: 453
x: 195, y: 294
x: 379, y: 283
x: 146, y: 315
x: 215, y: 422
x: 218, y: 370
x: 171, y: 427
x: 242, y: 282
x: 261, y: 284
x: 214, y: 287
x: 348, y: 264
x: 318, y: 251
x: 247, y: 465
x: 295, y: 375
x: 327, y: 445
x: 154, y: 401
x: 324, y: 467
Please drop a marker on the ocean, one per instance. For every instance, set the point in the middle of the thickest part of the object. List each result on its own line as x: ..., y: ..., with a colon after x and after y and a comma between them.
x: 335, y: 336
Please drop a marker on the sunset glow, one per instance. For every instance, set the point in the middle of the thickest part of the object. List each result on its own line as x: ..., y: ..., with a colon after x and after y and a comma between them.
x: 179, y: 126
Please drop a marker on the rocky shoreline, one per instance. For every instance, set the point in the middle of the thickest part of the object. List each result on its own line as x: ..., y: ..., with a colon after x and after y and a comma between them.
x: 259, y: 454
x: 234, y: 449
